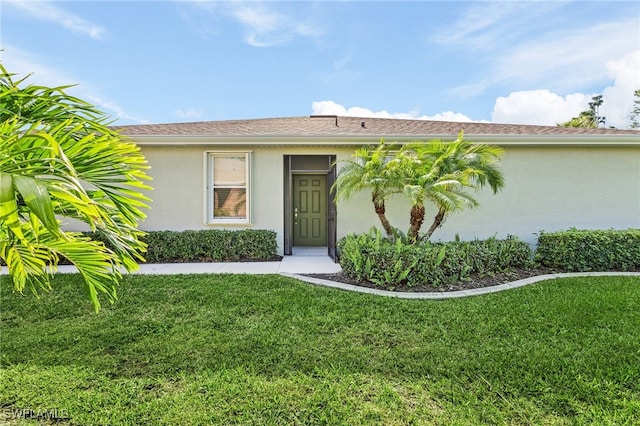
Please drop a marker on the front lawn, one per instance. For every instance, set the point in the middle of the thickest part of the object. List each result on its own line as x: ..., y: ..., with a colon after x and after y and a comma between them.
x: 240, y: 349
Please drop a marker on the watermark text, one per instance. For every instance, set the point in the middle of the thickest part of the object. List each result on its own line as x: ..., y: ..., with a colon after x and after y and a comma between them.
x: 29, y: 413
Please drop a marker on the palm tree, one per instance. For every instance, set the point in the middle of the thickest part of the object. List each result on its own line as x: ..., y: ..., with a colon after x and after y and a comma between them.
x: 368, y: 170
x: 590, y: 118
x: 435, y: 171
x: 634, y: 115
x: 443, y: 173
x: 59, y: 160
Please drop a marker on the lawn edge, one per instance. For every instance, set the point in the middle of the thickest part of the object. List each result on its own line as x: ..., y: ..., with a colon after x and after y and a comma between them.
x: 453, y: 294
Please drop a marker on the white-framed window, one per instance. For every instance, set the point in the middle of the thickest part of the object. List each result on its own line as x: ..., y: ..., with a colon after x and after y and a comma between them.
x: 228, y: 187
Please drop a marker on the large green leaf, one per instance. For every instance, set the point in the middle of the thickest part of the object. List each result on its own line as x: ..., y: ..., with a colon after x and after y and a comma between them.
x: 9, y: 216
x: 37, y: 199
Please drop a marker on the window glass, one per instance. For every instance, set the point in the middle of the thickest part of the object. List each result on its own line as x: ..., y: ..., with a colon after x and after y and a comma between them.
x: 229, y: 171
x: 230, y: 203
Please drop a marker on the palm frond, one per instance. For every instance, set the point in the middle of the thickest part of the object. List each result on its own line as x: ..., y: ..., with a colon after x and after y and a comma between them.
x: 59, y: 159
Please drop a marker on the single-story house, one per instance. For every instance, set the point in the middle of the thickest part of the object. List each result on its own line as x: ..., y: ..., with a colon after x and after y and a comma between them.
x: 276, y: 173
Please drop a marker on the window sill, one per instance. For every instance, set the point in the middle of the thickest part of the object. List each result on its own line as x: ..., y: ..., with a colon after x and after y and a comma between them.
x: 222, y: 224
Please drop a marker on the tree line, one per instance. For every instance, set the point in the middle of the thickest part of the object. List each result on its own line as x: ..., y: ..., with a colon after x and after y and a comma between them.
x: 591, y: 117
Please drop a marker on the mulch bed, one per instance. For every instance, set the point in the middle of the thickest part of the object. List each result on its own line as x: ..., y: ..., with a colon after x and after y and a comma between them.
x: 474, y: 281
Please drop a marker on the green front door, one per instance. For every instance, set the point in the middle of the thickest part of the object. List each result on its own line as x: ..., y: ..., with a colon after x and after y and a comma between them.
x: 309, y: 210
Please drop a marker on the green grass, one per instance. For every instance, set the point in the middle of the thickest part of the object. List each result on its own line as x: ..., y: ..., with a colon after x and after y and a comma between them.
x: 240, y: 349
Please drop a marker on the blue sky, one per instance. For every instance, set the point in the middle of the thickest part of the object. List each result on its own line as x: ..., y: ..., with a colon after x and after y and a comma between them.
x: 157, y: 62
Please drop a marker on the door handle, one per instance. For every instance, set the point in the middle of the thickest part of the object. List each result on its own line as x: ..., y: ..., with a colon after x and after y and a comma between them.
x: 295, y: 216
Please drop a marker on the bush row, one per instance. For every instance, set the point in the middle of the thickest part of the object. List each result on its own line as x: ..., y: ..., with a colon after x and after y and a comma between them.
x: 376, y: 259
x: 579, y: 250
x: 389, y: 264
x: 211, y: 245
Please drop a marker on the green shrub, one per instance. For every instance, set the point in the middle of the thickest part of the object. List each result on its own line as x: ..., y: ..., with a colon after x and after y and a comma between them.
x: 582, y: 250
x: 389, y: 264
x: 376, y: 259
x: 211, y: 245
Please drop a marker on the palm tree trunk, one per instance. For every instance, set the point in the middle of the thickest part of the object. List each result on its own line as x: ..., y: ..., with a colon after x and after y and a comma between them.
x: 380, y: 211
x: 415, y: 222
x: 437, y: 222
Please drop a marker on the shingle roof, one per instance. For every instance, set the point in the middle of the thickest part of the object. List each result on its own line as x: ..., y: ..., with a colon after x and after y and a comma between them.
x: 310, y: 126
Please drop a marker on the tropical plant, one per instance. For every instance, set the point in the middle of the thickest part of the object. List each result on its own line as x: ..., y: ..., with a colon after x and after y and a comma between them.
x: 59, y: 163
x: 634, y: 115
x: 590, y: 118
x: 436, y: 171
x: 444, y: 173
x: 368, y: 169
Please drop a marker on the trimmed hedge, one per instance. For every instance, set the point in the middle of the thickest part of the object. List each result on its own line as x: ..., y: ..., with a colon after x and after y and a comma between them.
x: 374, y: 258
x: 582, y: 250
x: 211, y: 245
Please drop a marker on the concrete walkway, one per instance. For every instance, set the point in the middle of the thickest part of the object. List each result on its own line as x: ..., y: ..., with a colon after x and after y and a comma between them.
x: 298, y: 264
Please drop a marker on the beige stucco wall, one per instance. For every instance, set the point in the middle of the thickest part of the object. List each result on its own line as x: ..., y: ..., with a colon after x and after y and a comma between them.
x: 179, y: 181
x: 547, y: 188
x: 179, y: 187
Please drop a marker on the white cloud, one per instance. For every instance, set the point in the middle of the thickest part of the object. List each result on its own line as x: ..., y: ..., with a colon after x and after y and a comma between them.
x: 484, y: 25
x: 47, y: 11
x: 111, y: 107
x: 333, y: 108
x: 548, y: 108
x: 570, y: 60
x: 618, y: 98
x: 189, y: 114
x: 341, y: 72
x: 22, y: 64
x: 540, y: 107
x: 264, y: 25
x: 521, y: 49
x: 449, y: 116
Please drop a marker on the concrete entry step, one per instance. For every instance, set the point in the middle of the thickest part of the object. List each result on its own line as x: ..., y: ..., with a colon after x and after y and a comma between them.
x: 309, y: 251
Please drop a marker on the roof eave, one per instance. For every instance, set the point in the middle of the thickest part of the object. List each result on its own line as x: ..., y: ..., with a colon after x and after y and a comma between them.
x: 305, y: 140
